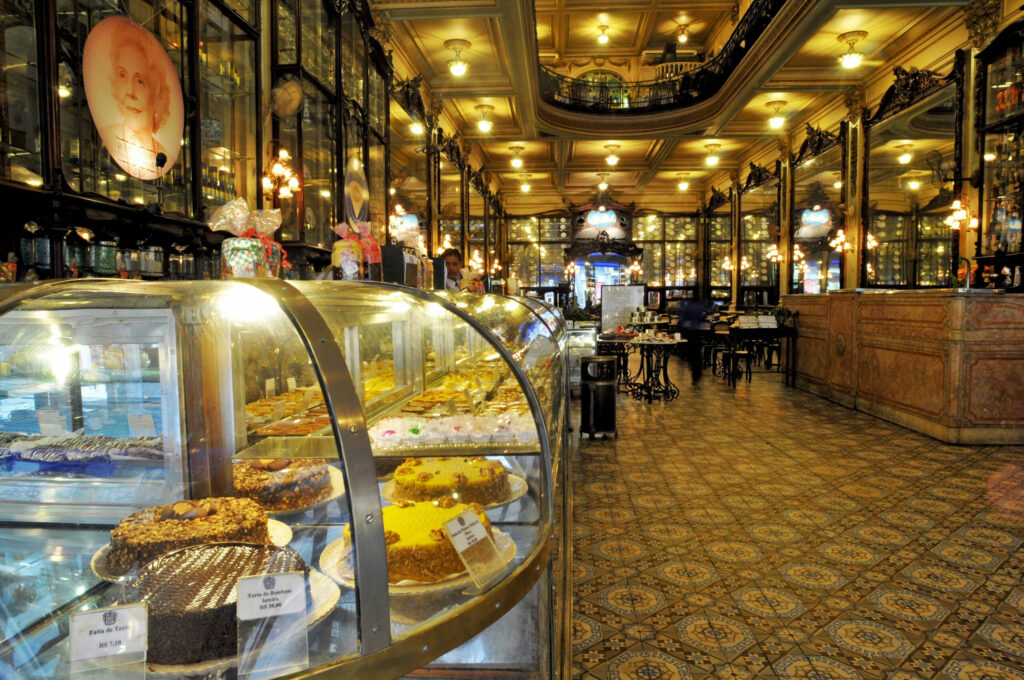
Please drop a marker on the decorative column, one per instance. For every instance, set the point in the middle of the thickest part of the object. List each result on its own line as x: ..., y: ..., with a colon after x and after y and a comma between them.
x: 736, y: 275
x: 853, y: 178
x: 785, y: 274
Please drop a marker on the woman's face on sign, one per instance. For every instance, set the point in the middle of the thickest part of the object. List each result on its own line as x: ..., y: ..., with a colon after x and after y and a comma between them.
x: 132, y: 88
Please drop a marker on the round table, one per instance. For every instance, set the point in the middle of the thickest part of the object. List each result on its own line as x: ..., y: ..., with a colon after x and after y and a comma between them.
x: 652, y: 381
x: 621, y: 349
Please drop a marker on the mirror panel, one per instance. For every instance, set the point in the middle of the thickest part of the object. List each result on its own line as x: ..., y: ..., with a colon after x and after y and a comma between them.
x: 759, y: 230
x: 817, y: 194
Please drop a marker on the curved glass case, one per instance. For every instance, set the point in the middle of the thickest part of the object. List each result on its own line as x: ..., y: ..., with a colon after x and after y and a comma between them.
x: 360, y: 417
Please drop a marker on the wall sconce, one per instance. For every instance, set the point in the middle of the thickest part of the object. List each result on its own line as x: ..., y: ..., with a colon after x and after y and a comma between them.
x: 840, y: 244
x: 484, y: 124
x: 798, y: 254
x: 870, y: 242
x: 712, y: 157
x: 777, y: 120
x: 278, y: 178
x: 683, y: 185
x: 960, y: 216
x: 457, y: 67
x: 611, y: 158
x: 851, y: 58
x: 773, y: 253
x: 516, y: 161
x: 602, y: 37
x: 728, y: 265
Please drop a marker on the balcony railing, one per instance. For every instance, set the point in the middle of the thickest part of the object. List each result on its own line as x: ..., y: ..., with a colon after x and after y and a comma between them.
x: 650, y: 96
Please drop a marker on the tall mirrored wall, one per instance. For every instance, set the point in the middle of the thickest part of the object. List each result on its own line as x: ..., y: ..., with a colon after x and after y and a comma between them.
x: 759, y: 231
x: 816, y: 267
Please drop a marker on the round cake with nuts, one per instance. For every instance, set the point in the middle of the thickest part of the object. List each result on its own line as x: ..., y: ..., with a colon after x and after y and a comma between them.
x: 467, y: 480
x: 282, y: 483
x: 149, y: 533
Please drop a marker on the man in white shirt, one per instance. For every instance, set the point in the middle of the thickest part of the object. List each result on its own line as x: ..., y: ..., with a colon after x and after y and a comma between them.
x: 453, y: 269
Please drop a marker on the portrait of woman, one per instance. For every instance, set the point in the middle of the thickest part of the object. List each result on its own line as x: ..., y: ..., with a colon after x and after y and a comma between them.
x: 134, y: 97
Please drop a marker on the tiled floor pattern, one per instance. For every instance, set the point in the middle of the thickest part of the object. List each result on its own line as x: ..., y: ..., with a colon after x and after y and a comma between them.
x: 764, y: 532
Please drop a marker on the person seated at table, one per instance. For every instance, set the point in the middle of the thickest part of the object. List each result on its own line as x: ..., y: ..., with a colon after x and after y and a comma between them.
x: 691, y: 322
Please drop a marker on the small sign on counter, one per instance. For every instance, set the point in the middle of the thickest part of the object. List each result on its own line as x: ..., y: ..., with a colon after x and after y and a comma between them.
x: 272, y: 623
x: 108, y: 638
x: 291, y: 384
x: 270, y: 388
x: 141, y: 425
x: 475, y: 547
x: 51, y: 422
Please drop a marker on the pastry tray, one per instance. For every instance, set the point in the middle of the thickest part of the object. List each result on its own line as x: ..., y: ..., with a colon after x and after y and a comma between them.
x: 517, y: 489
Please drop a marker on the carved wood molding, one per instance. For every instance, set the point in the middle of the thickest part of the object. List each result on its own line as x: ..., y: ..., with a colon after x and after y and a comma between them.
x: 816, y: 142
x: 757, y: 176
x: 981, y: 19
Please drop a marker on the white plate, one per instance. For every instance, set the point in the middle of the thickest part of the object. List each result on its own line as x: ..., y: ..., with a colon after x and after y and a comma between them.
x: 325, y: 595
x: 517, y: 489
x: 335, y: 561
x: 337, y: 491
x: 280, y: 535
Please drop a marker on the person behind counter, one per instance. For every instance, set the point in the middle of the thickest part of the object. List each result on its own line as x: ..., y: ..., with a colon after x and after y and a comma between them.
x: 453, y: 272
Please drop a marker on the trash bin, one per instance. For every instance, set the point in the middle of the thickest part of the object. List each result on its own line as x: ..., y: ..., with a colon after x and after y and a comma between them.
x: 598, y: 379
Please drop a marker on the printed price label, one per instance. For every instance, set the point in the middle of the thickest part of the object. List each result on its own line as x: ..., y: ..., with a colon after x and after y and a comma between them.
x: 141, y: 425
x: 108, y: 632
x: 278, y: 412
x: 271, y: 595
x: 50, y: 422
x: 271, y: 388
x: 307, y: 399
x: 465, y: 530
x: 291, y: 384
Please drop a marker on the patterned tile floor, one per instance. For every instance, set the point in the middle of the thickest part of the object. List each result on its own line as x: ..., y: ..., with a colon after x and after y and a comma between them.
x: 763, y: 532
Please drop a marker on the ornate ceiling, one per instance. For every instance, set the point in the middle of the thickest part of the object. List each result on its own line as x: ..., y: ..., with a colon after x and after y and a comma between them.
x: 794, y: 61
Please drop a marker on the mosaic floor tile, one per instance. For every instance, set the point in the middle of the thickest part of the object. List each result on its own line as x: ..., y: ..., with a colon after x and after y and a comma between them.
x: 631, y: 600
x: 906, y: 604
x: 717, y: 635
x: 647, y: 665
x: 801, y: 667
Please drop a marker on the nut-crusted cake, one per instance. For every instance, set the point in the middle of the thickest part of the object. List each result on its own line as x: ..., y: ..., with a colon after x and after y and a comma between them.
x: 192, y: 593
x: 418, y: 548
x: 470, y: 480
x: 154, y: 531
x: 282, y: 483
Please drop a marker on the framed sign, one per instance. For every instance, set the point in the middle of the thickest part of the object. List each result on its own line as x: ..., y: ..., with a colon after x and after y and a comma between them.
x: 134, y: 97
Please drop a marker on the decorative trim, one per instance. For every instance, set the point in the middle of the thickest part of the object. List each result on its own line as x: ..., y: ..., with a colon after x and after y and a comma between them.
x: 816, y: 142
x: 909, y: 88
x: 853, y: 97
x: 718, y: 198
x: 407, y: 94
x: 757, y: 176
x: 981, y: 19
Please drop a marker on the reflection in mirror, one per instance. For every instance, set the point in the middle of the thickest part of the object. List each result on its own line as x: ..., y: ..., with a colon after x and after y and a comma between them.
x: 680, y: 250
x: 449, y: 225
x: 408, y: 182
x: 720, y: 235
x: 759, y: 230
x: 475, y: 249
x: 910, y: 181
x: 817, y: 193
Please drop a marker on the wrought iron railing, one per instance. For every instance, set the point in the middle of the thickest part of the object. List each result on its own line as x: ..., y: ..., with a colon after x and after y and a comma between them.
x: 648, y: 96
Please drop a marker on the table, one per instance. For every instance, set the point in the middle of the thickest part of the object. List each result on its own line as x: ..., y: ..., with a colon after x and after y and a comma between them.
x: 652, y: 381
x: 621, y: 349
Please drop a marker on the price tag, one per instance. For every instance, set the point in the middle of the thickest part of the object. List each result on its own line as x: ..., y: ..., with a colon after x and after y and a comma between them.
x: 475, y: 547
x: 141, y: 425
x: 271, y: 595
x: 270, y: 388
x: 114, y: 632
x: 278, y: 412
x: 291, y: 384
x: 307, y: 399
x: 50, y: 422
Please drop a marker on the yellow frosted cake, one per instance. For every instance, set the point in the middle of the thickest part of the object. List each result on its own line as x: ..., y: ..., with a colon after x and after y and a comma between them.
x: 468, y: 480
x: 418, y: 548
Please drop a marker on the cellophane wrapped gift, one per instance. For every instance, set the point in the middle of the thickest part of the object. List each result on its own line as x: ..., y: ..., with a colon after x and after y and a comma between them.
x: 241, y: 258
x: 371, y: 251
x: 347, y: 255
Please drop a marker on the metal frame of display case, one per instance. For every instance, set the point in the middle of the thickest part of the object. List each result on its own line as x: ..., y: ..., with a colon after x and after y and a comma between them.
x: 379, y: 655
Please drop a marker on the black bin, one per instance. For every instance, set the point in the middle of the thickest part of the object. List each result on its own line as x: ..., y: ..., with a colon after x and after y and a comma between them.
x: 598, y: 380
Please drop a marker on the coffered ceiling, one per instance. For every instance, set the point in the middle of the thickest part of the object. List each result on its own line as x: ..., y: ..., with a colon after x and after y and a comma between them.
x: 507, y: 38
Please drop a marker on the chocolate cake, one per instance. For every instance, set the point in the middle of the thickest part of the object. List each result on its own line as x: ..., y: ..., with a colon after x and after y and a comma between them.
x: 282, y: 483
x: 155, y: 531
x: 192, y: 593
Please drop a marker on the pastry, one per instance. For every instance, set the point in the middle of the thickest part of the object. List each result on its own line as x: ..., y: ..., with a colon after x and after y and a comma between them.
x: 192, y: 594
x: 154, y: 531
x: 282, y: 483
x: 470, y: 480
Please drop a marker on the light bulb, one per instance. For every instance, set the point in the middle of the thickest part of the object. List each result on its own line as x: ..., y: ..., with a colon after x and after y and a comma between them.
x: 457, y: 67
x: 683, y: 186
x: 776, y: 122
x: 63, y: 91
x: 837, y: 184
x: 611, y: 159
x: 851, y: 59
x: 325, y: 193
x: 284, y: 192
x: 711, y: 160
x: 277, y: 169
x: 603, y: 186
x: 416, y: 129
x: 602, y: 38
x: 517, y: 162
x: 268, y: 184
x: 524, y: 187
x: 484, y: 125
x: 391, y: 191
x: 905, y: 158
x: 990, y: 156
x: 293, y: 183
x: 283, y: 154
x: 914, y: 185
x: 601, y: 208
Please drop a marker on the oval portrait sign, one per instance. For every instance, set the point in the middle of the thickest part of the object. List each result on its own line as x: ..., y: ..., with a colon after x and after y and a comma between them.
x: 357, y: 193
x: 134, y: 97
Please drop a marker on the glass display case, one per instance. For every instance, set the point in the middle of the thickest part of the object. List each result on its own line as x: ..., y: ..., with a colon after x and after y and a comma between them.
x: 318, y: 418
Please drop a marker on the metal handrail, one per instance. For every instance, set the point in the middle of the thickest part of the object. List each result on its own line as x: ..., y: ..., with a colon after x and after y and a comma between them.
x: 648, y: 96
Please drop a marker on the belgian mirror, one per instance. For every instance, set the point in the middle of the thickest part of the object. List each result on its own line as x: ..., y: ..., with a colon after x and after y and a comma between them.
x: 759, y: 232
x: 408, y: 182
x: 816, y: 217
x: 720, y: 237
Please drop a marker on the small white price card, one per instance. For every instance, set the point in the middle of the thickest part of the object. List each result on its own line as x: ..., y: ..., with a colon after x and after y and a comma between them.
x: 475, y: 547
x: 271, y: 595
x: 278, y: 412
x: 272, y: 625
x: 109, y: 637
x: 141, y: 425
x: 271, y: 388
x: 307, y: 398
x: 50, y: 422
x: 291, y: 384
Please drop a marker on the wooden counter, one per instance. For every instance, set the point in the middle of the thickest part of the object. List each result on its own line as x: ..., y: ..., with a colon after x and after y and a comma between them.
x: 946, y: 363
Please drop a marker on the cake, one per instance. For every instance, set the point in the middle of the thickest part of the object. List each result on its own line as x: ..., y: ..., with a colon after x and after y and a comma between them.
x: 282, y: 483
x: 418, y: 548
x: 191, y: 595
x: 469, y: 480
x: 154, y: 531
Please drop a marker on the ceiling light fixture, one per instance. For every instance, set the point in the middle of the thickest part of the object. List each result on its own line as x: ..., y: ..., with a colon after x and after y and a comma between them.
x: 906, y: 156
x: 851, y: 58
x: 777, y: 120
x: 683, y: 185
x: 914, y: 185
x: 602, y: 37
x: 712, y: 157
x: 516, y: 161
x: 524, y: 186
x: 457, y: 67
x: 611, y: 158
x: 416, y: 129
x: 603, y: 186
x: 838, y: 183
x: 484, y: 124
x: 681, y: 36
